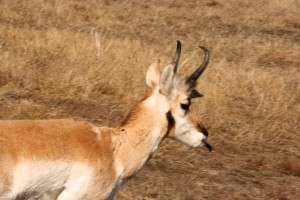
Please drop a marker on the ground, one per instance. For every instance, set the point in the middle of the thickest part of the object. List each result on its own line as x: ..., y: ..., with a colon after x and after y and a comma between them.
x: 88, y: 60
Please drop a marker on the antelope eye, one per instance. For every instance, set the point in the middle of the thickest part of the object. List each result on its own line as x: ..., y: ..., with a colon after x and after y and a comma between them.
x: 185, y: 106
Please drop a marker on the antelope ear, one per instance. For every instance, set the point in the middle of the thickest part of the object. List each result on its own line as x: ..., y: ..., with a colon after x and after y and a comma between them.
x: 153, y: 74
x: 166, y: 79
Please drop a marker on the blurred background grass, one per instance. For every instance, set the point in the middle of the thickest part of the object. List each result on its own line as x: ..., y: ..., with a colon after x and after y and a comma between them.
x: 88, y: 60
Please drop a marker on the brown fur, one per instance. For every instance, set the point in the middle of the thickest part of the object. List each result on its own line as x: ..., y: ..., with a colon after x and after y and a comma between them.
x: 53, y: 139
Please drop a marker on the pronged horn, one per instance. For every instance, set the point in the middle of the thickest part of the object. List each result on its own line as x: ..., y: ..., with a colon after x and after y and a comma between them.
x: 195, y: 94
x: 193, y: 78
x: 177, y: 56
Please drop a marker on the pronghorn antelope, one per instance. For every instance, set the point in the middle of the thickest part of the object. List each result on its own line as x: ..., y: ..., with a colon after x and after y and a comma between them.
x: 66, y: 159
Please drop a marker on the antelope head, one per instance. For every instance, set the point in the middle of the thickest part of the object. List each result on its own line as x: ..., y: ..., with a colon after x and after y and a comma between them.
x: 175, y: 96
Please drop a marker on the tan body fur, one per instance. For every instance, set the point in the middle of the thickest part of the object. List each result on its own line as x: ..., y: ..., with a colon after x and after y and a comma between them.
x: 51, y: 141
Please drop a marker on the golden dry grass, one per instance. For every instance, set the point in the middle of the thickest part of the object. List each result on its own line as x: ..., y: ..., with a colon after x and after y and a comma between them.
x: 88, y: 59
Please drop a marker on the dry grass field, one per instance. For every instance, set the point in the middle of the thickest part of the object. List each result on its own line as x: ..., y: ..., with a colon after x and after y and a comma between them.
x: 87, y: 59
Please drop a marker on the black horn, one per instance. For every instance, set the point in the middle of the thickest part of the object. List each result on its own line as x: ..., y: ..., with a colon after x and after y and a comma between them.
x: 177, y: 56
x: 193, y: 78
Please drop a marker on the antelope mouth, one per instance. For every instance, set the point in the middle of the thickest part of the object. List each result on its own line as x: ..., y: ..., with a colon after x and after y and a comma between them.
x: 208, y: 146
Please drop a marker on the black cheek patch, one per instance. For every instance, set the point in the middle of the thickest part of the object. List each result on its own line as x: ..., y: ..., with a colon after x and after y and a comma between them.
x: 171, y: 121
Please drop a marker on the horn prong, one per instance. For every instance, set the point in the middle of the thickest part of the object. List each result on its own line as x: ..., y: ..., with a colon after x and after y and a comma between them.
x: 195, y: 94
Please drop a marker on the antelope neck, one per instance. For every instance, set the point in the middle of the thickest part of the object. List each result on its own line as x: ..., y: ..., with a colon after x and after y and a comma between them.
x: 140, y: 136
